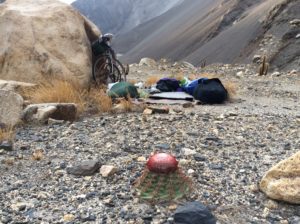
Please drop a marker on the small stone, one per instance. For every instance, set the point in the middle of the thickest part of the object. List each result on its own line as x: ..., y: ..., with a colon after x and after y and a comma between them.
x: 294, y: 220
x: 270, y: 204
x: 88, y: 218
x: 141, y: 159
x: 183, y: 162
x: 7, y: 146
x: 266, y: 213
x: 43, y: 195
x: 59, y: 173
x: 21, y: 206
x: 163, y: 146
x: 107, y: 170
x: 69, y: 218
x: 256, y: 59
x: 188, y: 152
x: 147, y: 62
x: 188, y: 105
x: 157, y: 110
x: 147, y: 111
x: 216, y: 166
x: 240, y: 74
x: 199, y: 158
x: 6, y: 219
x: 254, y: 188
x: 293, y: 72
x: 86, y: 168
x: 55, y: 122
x: 276, y: 74
x: 173, y: 207
x: 295, y: 22
x: 191, y: 171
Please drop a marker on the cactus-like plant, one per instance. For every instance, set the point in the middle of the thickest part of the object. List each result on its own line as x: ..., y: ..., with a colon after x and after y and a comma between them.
x: 203, y: 63
x: 163, y: 180
x: 264, y: 67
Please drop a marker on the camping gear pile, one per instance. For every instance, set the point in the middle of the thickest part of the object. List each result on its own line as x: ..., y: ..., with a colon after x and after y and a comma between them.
x: 173, y: 91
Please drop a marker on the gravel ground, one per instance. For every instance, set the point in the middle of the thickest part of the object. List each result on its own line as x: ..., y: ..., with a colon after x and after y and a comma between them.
x: 231, y: 147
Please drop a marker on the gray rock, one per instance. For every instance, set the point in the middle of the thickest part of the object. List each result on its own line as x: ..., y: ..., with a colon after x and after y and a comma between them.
x: 256, y: 59
x: 294, y: 220
x: 198, y: 157
x: 40, y: 113
x: 6, y: 145
x: 86, y: 168
x: 147, y: 62
x: 193, y: 213
x: 163, y: 146
x: 11, y: 106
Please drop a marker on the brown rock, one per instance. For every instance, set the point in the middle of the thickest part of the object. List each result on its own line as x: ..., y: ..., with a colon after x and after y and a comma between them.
x: 107, y: 170
x: 69, y: 218
x: 188, y: 105
x: 147, y: 111
x: 157, y: 110
x: 282, y: 182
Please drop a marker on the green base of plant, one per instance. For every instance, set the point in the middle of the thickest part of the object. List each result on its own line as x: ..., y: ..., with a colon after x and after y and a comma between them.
x: 164, y: 187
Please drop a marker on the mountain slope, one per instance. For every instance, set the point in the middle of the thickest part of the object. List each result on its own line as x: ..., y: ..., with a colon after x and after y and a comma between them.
x: 118, y: 16
x: 211, y: 30
x: 215, y: 31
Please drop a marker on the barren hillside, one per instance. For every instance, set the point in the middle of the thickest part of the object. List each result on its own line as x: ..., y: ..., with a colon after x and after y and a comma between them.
x: 217, y: 31
x: 120, y: 16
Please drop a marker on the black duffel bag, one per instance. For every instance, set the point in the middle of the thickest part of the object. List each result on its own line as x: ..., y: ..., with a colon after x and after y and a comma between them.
x: 210, y: 91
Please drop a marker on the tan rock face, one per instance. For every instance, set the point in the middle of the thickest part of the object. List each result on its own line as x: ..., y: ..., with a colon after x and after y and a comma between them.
x: 282, y: 182
x: 41, y: 38
x: 15, y: 86
x: 11, y: 106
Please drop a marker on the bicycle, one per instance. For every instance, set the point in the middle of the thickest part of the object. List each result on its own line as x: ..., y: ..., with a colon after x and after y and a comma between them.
x: 108, y: 69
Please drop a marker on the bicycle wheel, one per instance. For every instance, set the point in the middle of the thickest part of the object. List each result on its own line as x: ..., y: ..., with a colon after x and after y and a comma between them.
x: 115, y: 74
x: 122, y: 70
x: 101, y: 70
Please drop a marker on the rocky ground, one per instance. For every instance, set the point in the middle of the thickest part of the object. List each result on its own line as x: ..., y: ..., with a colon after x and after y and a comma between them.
x: 226, y: 150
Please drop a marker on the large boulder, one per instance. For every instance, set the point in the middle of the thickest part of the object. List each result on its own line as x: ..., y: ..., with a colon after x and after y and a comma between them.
x: 42, y: 38
x: 11, y: 106
x: 282, y: 182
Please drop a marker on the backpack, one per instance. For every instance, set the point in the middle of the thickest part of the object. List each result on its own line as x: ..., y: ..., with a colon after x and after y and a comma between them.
x: 190, y: 88
x: 123, y: 89
x: 98, y: 47
x: 168, y: 85
x: 210, y: 91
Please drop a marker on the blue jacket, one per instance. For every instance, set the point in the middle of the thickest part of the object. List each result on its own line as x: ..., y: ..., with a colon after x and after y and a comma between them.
x: 191, y: 87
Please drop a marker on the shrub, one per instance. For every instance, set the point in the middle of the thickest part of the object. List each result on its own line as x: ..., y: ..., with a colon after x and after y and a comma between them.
x: 57, y: 91
x: 7, y: 134
x: 151, y: 80
x: 231, y: 88
x: 100, y: 100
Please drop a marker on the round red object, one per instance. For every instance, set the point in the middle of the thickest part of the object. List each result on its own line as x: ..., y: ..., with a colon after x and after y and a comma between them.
x: 162, y: 163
